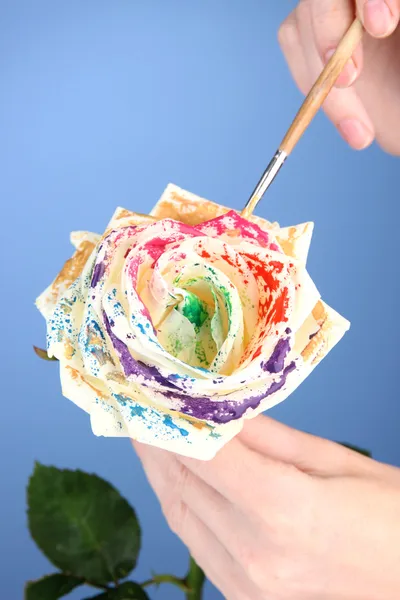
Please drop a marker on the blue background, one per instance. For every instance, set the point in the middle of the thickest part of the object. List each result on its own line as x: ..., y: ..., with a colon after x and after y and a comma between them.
x: 104, y: 103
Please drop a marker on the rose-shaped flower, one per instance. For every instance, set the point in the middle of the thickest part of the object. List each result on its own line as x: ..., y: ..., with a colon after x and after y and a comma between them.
x: 172, y: 330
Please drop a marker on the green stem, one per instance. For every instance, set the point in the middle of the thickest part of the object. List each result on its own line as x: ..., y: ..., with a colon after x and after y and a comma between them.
x: 195, y: 579
x: 164, y: 578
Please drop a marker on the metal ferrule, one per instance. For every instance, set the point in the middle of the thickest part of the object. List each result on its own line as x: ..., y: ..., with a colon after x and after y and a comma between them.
x: 267, y: 178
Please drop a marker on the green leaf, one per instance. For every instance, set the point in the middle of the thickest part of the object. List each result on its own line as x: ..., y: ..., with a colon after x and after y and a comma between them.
x: 43, y: 354
x: 126, y: 591
x: 51, y: 587
x: 356, y: 449
x: 82, y: 524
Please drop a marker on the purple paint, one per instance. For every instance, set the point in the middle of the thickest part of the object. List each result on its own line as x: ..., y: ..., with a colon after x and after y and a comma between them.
x: 131, y: 366
x: 98, y: 272
x: 276, y: 363
x: 224, y: 411
x: 201, y: 407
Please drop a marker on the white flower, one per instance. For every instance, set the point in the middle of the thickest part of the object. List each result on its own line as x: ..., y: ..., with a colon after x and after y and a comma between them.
x: 174, y: 330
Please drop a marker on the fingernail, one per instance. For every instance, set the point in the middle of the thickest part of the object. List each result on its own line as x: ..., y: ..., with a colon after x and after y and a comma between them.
x: 378, y: 18
x: 348, y: 74
x: 358, y: 135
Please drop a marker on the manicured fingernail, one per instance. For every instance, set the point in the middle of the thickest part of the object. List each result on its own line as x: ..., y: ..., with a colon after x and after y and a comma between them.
x: 348, y: 74
x: 358, y: 135
x: 378, y: 18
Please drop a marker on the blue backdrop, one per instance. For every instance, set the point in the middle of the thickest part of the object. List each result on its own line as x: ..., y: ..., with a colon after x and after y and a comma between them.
x: 102, y: 104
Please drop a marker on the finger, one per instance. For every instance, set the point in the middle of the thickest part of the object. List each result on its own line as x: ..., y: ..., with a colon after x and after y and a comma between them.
x: 380, y: 17
x: 330, y: 20
x: 221, y: 569
x: 244, y: 536
x: 343, y: 107
x: 289, y: 40
x: 236, y: 468
x: 172, y: 484
x: 311, y: 454
x: 379, y: 86
x: 249, y: 536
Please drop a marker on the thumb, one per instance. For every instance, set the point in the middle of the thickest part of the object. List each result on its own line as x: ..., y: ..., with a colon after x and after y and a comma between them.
x: 380, y: 17
x: 308, y: 453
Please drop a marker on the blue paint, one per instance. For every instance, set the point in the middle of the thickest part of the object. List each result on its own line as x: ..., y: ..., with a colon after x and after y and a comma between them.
x: 122, y: 400
x: 135, y: 409
x: 141, y: 328
x: 138, y: 411
x: 169, y: 423
x: 97, y: 328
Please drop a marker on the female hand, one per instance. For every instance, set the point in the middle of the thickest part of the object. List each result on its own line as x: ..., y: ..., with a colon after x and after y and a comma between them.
x: 366, y: 101
x: 283, y: 515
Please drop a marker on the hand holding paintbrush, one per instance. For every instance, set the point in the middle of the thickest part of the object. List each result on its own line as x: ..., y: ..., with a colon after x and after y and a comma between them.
x: 368, y: 109
x: 307, y: 112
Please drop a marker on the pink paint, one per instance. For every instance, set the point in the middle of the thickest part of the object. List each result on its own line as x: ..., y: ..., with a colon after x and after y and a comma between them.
x: 230, y: 222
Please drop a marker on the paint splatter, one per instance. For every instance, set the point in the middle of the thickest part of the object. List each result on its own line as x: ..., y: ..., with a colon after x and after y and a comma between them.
x: 177, y: 332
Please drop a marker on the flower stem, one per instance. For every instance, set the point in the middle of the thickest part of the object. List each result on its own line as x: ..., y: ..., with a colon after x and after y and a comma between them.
x: 195, y: 580
x: 164, y: 578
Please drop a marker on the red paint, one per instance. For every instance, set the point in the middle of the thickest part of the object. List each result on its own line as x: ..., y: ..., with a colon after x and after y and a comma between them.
x: 276, y: 265
x: 133, y: 268
x: 257, y: 353
x: 204, y: 254
x: 270, y: 277
x: 119, y: 234
x: 230, y: 222
x: 178, y: 256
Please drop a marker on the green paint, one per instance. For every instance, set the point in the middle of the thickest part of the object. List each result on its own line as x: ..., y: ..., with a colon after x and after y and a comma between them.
x: 200, y: 354
x: 227, y: 296
x: 177, y: 345
x: 211, y: 324
x: 194, y: 310
x: 217, y: 330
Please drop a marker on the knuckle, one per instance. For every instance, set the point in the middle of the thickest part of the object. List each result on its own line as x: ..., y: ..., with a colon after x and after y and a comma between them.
x: 175, y: 513
x: 232, y: 589
x: 287, y: 34
x: 253, y: 565
x: 273, y: 575
x: 280, y: 583
x: 240, y: 595
x: 303, y: 10
x: 329, y: 22
x: 174, y: 509
x: 322, y: 14
x: 280, y: 528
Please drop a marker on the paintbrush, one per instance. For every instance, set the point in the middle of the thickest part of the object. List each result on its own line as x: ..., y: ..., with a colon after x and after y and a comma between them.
x: 307, y: 112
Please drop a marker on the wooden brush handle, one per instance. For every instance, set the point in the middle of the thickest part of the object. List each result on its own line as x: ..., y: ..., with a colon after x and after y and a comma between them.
x: 323, y: 86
